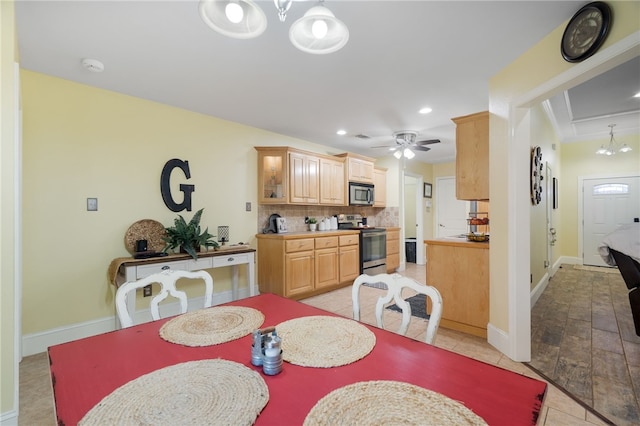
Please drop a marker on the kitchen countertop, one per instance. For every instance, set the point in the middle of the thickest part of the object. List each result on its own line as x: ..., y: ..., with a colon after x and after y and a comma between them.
x: 458, y: 242
x: 309, y: 234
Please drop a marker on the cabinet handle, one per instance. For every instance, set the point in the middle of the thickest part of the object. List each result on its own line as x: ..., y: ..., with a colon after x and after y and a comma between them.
x: 165, y: 267
x: 231, y: 259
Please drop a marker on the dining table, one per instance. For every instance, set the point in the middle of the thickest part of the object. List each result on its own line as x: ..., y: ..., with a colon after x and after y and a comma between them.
x: 85, y: 371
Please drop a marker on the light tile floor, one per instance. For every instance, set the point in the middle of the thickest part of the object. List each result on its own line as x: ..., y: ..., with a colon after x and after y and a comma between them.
x: 36, y: 397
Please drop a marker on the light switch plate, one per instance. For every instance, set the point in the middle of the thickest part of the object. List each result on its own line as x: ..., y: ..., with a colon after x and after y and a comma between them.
x: 247, y: 206
x: 92, y: 204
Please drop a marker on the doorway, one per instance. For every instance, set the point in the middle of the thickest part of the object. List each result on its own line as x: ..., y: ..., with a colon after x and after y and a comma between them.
x: 451, y: 213
x: 413, y: 219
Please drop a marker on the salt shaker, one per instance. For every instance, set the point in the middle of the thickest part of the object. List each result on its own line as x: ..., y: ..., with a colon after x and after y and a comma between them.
x: 272, y: 361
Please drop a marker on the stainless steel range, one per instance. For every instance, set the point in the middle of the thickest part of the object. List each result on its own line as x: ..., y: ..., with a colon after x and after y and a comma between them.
x: 373, y: 244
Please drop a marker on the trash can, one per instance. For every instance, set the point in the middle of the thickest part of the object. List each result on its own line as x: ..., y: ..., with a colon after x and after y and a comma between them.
x: 410, y: 249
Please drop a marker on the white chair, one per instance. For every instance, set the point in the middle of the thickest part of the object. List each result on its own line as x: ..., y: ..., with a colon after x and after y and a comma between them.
x: 395, y: 284
x: 167, y: 280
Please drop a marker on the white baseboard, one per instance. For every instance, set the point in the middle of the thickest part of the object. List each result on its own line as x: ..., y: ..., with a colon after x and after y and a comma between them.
x: 9, y: 418
x: 539, y: 289
x: 498, y: 339
x: 570, y: 260
x: 36, y: 343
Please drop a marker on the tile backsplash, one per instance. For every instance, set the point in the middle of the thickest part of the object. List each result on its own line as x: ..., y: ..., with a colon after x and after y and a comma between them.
x: 376, y: 216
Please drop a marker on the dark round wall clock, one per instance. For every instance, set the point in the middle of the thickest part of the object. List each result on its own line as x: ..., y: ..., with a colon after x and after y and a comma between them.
x: 586, y: 31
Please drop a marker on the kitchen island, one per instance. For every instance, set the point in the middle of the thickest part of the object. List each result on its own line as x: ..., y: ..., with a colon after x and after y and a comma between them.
x: 459, y: 269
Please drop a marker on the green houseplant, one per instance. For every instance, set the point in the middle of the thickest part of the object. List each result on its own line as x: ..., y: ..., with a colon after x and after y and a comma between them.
x: 187, y: 236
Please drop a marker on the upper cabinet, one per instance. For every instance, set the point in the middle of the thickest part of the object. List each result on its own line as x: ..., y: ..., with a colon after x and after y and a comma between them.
x: 292, y: 176
x: 273, y: 170
x: 359, y: 168
x: 304, y: 178
x: 472, y: 156
x: 380, y: 187
x: 332, y: 183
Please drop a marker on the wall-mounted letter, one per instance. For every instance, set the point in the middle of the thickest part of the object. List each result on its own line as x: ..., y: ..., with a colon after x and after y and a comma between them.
x: 165, y: 188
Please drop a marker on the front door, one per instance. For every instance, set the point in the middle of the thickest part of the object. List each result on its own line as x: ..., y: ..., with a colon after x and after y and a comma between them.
x: 607, y: 204
x: 451, y: 213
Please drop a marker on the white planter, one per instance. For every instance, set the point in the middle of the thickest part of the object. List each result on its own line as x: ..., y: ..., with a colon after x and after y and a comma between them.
x: 312, y: 226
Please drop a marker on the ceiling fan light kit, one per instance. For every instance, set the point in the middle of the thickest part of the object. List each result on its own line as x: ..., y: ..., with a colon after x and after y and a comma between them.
x: 318, y: 31
x: 406, y: 141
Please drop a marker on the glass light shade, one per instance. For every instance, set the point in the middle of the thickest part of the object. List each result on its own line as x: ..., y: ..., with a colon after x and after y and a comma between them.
x: 234, y: 12
x: 625, y: 148
x: 252, y: 23
x: 397, y: 154
x: 303, y: 36
x: 408, y: 153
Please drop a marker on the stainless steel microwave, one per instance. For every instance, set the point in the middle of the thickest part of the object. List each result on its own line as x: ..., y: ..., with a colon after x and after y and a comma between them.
x: 360, y: 194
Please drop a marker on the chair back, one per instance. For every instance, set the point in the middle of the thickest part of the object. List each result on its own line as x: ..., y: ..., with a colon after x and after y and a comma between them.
x: 395, y: 284
x: 167, y: 280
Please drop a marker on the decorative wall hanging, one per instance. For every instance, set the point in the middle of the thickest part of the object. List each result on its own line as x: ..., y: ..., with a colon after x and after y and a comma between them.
x: 427, y: 190
x: 165, y: 187
x: 536, y: 175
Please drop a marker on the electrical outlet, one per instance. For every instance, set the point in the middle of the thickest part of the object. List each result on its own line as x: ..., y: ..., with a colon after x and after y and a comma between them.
x: 247, y: 206
x: 146, y: 290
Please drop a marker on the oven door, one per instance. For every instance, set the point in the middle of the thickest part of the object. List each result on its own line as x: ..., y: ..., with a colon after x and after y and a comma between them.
x: 373, y: 251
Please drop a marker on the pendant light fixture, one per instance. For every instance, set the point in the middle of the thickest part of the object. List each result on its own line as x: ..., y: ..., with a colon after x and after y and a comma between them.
x: 234, y: 18
x: 613, y: 145
x: 319, y: 32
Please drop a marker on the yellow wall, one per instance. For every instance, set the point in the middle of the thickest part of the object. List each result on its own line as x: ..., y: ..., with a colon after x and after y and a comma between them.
x: 580, y: 160
x: 538, y: 65
x: 544, y: 136
x: 8, y: 102
x: 84, y: 142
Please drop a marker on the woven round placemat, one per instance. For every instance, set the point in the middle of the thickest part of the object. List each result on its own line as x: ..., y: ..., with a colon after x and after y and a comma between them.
x: 146, y: 229
x: 323, y: 341
x: 386, y: 403
x: 211, y: 326
x: 207, y: 392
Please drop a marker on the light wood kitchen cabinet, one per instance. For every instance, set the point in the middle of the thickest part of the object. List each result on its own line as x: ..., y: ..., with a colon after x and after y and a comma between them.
x: 460, y: 272
x: 304, y: 178
x: 359, y: 167
x: 273, y: 171
x: 349, y: 257
x: 380, y: 187
x: 332, y: 182
x: 300, y: 265
x: 393, y: 249
x: 472, y: 156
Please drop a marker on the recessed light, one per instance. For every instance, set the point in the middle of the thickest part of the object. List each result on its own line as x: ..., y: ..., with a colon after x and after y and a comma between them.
x: 637, y: 95
x: 425, y: 110
x: 341, y: 132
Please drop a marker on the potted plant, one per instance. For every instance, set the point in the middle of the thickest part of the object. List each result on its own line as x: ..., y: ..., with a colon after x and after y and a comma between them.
x: 188, y: 237
x: 313, y: 223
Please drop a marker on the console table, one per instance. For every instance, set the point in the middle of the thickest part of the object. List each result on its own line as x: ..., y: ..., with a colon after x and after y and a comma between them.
x: 125, y: 269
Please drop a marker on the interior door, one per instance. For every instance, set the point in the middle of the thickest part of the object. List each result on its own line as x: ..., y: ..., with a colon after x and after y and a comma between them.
x: 607, y: 204
x: 451, y: 213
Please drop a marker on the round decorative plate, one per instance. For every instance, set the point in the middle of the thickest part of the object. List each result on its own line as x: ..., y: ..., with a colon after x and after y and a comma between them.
x: 146, y: 229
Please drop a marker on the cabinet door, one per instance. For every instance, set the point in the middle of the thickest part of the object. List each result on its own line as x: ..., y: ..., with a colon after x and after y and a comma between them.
x: 326, y: 267
x: 304, y: 178
x: 299, y: 268
x: 380, y: 187
x: 349, y: 263
x: 272, y: 176
x: 332, y: 182
x: 472, y: 157
x: 360, y: 170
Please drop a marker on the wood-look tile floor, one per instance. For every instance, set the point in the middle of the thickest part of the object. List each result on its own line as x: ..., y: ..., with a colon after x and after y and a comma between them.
x: 36, y: 396
x: 582, y: 338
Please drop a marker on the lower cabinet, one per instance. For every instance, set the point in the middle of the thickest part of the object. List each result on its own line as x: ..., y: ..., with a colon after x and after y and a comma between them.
x: 301, y: 265
x: 393, y: 249
x: 460, y: 272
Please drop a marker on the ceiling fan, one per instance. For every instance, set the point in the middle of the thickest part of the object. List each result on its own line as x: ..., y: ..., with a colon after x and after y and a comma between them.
x: 405, y: 142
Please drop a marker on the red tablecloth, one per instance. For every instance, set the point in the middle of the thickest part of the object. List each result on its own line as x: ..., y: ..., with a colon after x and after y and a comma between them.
x: 87, y: 370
